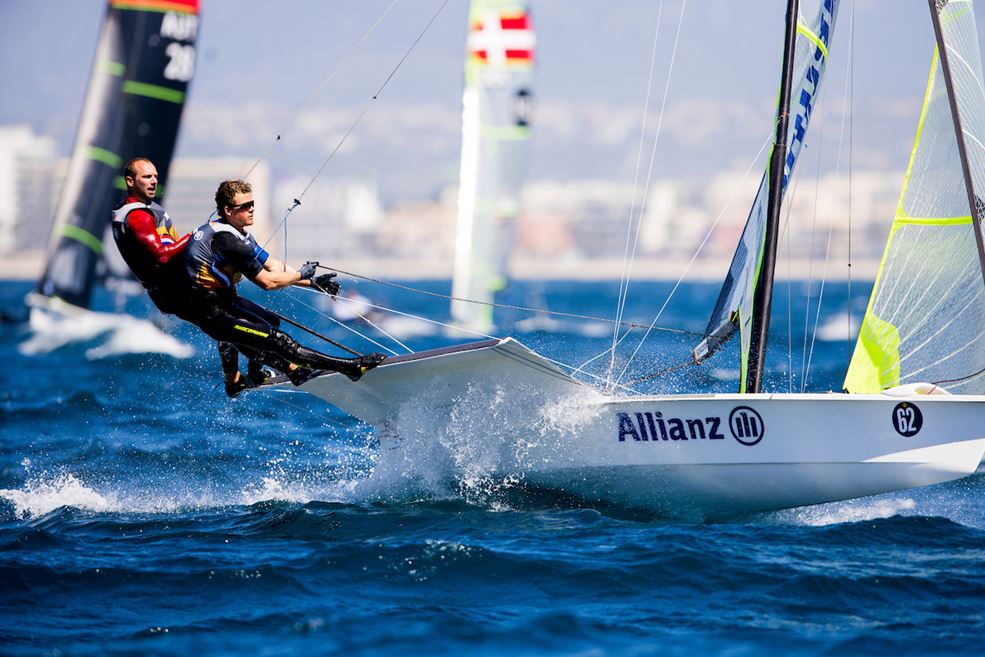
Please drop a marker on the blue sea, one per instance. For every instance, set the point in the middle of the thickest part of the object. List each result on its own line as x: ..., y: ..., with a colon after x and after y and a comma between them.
x: 142, y: 512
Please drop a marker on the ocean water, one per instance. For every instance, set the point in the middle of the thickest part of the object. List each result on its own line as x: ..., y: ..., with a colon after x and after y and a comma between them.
x: 141, y: 512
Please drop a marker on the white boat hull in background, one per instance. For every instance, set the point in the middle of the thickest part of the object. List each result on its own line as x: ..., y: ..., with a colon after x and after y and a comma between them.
x: 55, y: 323
x: 497, y: 409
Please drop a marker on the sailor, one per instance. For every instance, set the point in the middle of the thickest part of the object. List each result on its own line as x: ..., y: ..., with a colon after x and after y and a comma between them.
x: 147, y: 239
x: 222, y: 252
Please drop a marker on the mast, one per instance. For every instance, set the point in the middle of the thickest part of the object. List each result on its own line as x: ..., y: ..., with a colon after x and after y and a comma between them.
x: 975, y: 204
x: 764, y: 289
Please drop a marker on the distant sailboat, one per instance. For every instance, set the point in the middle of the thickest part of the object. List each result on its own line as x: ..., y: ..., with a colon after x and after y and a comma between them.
x: 713, y: 455
x: 496, y: 113
x: 144, y: 61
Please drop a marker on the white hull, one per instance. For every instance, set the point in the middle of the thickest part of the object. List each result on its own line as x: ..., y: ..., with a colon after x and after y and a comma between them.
x: 506, y: 408
x: 55, y: 323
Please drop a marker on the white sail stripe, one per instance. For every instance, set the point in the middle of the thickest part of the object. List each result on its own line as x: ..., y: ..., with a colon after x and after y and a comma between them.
x: 927, y: 269
x: 953, y: 55
x: 925, y: 320
x: 899, y: 276
x: 914, y: 324
x: 918, y: 327
x: 493, y: 39
x: 954, y: 354
x: 971, y: 136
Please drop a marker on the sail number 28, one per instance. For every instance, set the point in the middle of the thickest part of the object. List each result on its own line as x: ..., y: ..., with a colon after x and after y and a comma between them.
x: 181, y: 62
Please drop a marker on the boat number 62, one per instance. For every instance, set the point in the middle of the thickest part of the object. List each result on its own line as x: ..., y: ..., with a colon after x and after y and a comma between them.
x: 907, y: 419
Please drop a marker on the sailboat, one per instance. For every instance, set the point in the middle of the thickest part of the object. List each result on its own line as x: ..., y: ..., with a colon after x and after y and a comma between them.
x: 144, y: 61
x: 912, y: 414
x: 496, y: 114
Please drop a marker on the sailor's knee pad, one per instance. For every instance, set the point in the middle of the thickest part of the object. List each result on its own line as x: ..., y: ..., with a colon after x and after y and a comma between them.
x: 284, y: 343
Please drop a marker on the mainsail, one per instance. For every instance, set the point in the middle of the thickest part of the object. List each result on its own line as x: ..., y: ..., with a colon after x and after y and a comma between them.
x: 144, y: 61
x: 497, y: 104
x: 926, y: 314
x: 734, y: 309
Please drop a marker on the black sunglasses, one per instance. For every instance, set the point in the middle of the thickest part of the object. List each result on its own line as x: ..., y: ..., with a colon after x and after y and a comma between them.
x: 242, y: 206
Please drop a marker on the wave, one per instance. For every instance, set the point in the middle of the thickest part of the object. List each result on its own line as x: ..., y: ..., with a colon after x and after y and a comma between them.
x: 121, y: 334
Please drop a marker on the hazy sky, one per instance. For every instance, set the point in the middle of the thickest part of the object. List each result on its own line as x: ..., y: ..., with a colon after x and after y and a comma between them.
x: 258, y: 61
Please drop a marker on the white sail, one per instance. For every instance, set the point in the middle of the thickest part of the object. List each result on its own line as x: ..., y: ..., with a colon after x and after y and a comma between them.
x: 496, y: 107
x: 926, y: 317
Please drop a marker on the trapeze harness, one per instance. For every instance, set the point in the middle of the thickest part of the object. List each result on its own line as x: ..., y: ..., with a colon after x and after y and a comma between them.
x: 155, y: 266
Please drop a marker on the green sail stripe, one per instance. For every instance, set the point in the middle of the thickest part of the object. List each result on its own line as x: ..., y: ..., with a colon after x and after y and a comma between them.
x: 934, y: 221
x: 113, y: 68
x: 876, y: 360
x: 84, y: 237
x: 119, y: 183
x: 806, y: 31
x: 505, y: 132
x: 108, y: 158
x: 153, y: 91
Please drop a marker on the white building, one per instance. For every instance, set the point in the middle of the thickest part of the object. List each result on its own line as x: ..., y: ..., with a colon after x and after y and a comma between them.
x: 28, y: 163
x: 336, y: 219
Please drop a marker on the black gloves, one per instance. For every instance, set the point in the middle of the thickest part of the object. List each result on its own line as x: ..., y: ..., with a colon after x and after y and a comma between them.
x: 327, y: 285
x: 308, y: 270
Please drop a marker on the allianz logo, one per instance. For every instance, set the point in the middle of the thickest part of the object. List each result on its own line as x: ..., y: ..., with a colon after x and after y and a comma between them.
x: 744, y: 424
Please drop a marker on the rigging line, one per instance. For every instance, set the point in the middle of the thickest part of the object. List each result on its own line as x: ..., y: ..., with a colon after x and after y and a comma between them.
x: 318, y: 91
x: 850, y: 84
x: 280, y: 398
x: 663, y: 372
x: 371, y: 322
x: 790, y: 311
x: 623, y: 282
x: 964, y: 378
x: 504, y: 306
x: 704, y: 241
x: 929, y: 317
x: 653, y: 153
x: 845, y: 119
x: 314, y: 333
x: 788, y: 199
x: 324, y: 315
x: 818, y: 116
x: 376, y: 95
x: 362, y: 113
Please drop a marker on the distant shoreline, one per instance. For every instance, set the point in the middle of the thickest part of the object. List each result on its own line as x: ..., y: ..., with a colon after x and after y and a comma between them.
x: 26, y: 266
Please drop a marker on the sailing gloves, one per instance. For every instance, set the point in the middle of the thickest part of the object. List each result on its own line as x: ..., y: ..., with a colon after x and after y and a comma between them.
x: 326, y: 284
x: 323, y: 282
x: 308, y: 270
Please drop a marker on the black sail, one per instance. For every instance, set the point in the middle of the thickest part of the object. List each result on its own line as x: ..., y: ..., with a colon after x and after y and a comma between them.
x: 144, y: 62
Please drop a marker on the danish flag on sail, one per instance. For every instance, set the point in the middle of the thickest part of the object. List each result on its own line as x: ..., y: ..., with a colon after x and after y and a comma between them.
x: 502, y: 39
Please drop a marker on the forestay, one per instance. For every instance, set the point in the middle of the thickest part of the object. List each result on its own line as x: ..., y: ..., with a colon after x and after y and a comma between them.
x: 926, y: 315
x: 734, y: 308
